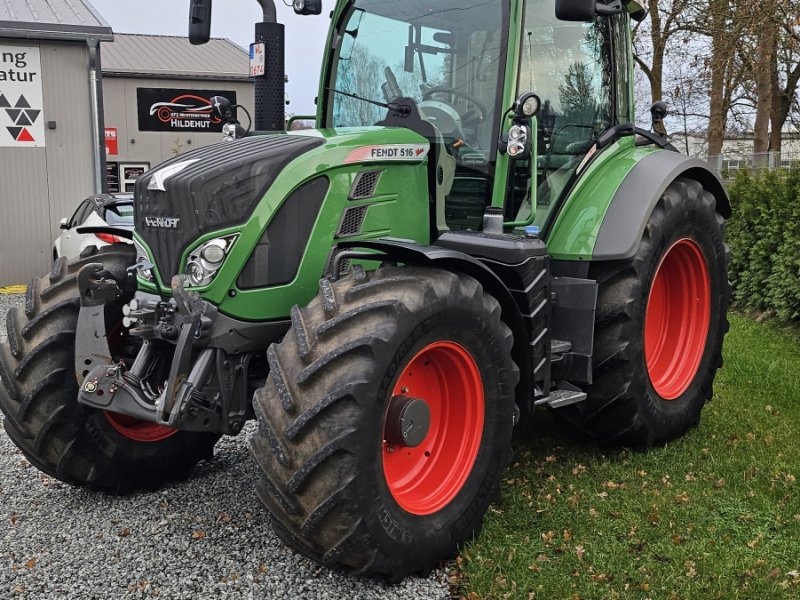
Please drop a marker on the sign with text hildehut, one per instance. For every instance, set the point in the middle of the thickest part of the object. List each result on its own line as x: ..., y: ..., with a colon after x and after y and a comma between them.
x: 163, y: 109
x: 21, y: 101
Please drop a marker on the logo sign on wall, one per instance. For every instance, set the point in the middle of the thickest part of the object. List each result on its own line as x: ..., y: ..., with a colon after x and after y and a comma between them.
x: 162, y: 109
x: 21, y: 101
x: 112, y: 143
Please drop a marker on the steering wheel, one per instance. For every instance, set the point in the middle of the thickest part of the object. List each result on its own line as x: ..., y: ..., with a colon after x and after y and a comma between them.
x: 469, y: 118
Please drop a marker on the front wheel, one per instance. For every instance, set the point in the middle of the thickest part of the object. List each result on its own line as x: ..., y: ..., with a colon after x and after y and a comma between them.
x: 38, y: 395
x: 385, y: 423
x: 660, y: 322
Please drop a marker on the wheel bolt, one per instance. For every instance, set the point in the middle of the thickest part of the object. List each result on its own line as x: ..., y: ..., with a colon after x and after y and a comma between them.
x: 389, y: 448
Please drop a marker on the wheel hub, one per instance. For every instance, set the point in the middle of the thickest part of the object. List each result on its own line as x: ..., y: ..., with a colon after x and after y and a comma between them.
x: 407, y: 421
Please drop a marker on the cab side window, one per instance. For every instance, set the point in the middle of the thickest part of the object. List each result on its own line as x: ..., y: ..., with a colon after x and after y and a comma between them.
x: 569, y: 66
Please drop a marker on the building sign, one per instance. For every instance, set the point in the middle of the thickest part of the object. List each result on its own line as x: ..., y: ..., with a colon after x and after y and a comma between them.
x: 112, y: 177
x: 112, y: 146
x: 257, y: 59
x: 162, y: 109
x: 129, y: 173
x: 21, y: 101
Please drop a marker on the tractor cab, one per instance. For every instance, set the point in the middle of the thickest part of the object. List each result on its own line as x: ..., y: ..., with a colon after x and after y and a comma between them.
x: 452, y: 69
x: 444, y: 63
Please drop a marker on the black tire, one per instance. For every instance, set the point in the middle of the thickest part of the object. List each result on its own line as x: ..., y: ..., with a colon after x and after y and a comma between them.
x: 623, y: 405
x: 320, y: 440
x: 38, y: 396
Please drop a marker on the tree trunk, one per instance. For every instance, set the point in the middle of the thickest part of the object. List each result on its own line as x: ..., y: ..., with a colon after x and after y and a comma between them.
x: 765, y: 67
x: 718, y: 111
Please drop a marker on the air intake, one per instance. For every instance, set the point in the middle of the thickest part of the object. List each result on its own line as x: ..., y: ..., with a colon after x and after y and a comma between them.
x: 352, y: 221
x: 364, y: 185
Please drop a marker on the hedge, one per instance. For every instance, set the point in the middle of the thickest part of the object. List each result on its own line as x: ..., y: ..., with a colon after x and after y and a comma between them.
x: 764, y: 237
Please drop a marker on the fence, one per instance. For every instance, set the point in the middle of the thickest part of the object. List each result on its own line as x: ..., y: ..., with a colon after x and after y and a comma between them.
x: 727, y: 164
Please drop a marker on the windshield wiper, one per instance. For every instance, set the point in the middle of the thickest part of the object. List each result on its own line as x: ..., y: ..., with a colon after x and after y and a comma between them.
x: 401, y: 109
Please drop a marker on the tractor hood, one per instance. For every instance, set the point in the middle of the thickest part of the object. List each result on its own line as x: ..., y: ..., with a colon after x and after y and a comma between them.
x: 208, y: 189
x: 219, y: 186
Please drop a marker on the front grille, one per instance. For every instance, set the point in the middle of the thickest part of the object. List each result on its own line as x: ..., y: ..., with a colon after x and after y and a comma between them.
x: 207, y: 190
x: 364, y: 185
x: 352, y: 221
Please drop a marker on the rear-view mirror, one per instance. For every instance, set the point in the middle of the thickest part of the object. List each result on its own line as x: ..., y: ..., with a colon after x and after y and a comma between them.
x: 199, y: 21
x: 576, y: 10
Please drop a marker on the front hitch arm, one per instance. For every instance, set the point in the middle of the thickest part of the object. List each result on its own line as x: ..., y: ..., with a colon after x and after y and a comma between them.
x: 195, y: 313
x: 91, y: 343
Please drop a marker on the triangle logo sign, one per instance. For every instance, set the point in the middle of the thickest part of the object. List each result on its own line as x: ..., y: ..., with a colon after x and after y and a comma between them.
x: 14, y: 131
x: 25, y: 136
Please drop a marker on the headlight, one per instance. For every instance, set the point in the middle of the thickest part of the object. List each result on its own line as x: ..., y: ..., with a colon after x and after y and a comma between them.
x: 143, y: 259
x: 205, y: 260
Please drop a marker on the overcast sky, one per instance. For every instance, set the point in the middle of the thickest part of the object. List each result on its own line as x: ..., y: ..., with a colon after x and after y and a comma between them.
x: 235, y: 20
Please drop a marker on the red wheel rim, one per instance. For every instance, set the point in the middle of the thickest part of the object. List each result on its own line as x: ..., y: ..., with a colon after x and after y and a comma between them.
x: 131, y: 427
x: 677, y: 318
x: 424, y: 479
x: 138, y: 430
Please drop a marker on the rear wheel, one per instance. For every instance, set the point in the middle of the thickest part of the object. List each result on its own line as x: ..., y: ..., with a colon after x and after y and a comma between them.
x: 660, y: 323
x: 385, y: 423
x: 38, y: 396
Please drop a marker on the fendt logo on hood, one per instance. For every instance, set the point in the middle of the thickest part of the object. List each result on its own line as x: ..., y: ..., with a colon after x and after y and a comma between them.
x: 162, y: 222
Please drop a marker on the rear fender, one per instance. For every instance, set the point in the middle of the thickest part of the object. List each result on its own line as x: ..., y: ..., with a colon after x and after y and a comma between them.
x: 627, y: 215
x: 605, y: 215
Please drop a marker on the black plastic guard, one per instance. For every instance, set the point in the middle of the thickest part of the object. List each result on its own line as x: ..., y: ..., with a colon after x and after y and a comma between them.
x: 638, y: 194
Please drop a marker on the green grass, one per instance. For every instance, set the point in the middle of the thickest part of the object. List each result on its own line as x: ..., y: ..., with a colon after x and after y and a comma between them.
x: 715, y: 514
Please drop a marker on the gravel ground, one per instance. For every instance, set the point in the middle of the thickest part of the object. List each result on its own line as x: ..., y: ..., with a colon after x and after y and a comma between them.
x: 207, y: 537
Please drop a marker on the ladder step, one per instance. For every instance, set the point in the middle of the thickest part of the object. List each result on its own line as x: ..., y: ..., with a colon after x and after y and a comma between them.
x: 560, y: 346
x: 561, y: 398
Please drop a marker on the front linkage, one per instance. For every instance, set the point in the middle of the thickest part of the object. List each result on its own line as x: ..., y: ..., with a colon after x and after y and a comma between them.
x: 207, y: 387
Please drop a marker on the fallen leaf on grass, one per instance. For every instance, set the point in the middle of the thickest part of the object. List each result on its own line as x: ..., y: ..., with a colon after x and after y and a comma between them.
x: 755, y: 542
x: 691, y: 571
x: 580, y: 551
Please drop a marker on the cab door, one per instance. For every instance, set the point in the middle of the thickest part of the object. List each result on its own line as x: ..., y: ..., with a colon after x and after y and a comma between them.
x: 575, y: 69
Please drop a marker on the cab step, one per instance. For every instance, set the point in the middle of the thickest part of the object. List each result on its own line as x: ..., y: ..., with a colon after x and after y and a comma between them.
x: 563, y: 395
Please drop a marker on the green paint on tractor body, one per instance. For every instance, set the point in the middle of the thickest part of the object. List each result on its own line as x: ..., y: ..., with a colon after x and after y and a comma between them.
x: 570, y: 219
x: 399, y: 208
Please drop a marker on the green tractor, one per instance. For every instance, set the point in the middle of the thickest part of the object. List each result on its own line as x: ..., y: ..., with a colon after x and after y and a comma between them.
x: 475, y: 229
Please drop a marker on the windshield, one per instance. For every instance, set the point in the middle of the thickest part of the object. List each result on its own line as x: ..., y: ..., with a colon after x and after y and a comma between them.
x: 448, y: 56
